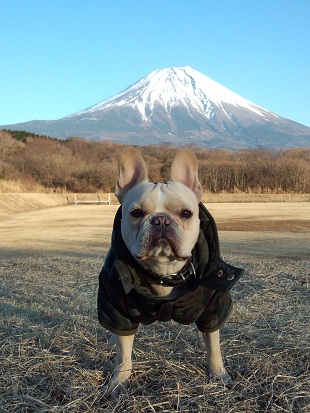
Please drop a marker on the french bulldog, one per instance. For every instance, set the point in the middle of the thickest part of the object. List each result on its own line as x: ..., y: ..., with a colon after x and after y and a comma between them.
x: 161, y: 264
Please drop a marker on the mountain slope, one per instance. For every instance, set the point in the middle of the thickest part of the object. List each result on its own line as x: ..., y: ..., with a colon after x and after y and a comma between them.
x: 179, y: 105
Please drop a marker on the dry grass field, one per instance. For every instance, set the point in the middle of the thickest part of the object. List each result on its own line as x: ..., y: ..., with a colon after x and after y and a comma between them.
x: 54, y: 354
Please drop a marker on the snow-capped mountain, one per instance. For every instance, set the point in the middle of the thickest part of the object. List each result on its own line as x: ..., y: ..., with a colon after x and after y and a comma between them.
x: 179, y: 105
x: 170, y: 88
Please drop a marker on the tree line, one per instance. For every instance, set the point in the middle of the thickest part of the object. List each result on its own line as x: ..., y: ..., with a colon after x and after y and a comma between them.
x: 77, y: 165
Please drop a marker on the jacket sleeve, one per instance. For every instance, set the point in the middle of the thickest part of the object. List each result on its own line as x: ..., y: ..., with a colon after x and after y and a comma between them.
x: 110, y: 307
x: 215, y: 313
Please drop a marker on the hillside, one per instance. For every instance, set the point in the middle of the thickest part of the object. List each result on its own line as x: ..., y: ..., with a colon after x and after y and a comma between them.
x: 15, y: 203
x: 30, y: 163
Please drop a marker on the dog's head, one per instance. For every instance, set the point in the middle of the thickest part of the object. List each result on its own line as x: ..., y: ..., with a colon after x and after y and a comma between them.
x: 160, y: 223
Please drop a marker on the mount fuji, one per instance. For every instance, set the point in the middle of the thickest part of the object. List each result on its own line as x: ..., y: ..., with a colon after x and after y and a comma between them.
x: 181, y: 106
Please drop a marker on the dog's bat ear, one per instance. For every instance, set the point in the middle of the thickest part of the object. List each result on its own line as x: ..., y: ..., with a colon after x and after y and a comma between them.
x: 184, y: 169
x: 132, y: 170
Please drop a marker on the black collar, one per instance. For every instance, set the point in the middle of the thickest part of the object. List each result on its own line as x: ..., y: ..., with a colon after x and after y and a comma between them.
x: 173, y: 280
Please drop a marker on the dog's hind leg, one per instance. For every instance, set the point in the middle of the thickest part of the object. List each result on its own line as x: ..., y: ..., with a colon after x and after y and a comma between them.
x: 120, y: 378
x: 200, y: 339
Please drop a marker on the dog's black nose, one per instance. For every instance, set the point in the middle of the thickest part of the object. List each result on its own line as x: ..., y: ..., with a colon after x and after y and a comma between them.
x: 161, y: 221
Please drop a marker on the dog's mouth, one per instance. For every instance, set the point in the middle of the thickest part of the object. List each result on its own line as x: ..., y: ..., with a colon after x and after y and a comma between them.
x: 161, y: 247
x: 163, y: 243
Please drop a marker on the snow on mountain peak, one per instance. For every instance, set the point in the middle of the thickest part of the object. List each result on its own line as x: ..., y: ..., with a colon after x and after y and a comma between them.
x: 177, y: 105
x: 173, y: 87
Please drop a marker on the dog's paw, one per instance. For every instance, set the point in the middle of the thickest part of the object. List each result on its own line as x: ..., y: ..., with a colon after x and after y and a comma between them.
x: 114, y: 389
x: 222, y: 377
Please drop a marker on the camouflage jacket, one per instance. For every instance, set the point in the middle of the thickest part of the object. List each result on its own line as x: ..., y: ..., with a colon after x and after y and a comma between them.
x: 124, y: 302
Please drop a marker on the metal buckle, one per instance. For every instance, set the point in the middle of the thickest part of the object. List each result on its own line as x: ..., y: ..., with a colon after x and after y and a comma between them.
x: 193, y: 269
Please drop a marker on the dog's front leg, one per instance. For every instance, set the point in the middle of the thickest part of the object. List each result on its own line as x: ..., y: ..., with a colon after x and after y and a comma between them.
x: 214, y: 356
x: 120, y: 379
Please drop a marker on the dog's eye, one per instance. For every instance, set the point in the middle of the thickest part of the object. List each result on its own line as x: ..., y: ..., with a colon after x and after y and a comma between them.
x: 186, y: 214
x: 137, y: 213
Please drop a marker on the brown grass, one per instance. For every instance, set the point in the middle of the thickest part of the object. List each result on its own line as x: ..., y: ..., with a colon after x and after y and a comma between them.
x: 16, y: 201
x: 241, y: 197
x: 16, y: 186
x: 225, y: 197
x: 54, y: 354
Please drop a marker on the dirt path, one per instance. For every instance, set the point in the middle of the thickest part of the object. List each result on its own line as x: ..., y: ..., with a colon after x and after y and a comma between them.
x: 252, y: 229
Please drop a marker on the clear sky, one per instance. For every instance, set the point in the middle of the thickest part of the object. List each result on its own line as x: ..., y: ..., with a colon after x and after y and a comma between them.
x: 62, y: 56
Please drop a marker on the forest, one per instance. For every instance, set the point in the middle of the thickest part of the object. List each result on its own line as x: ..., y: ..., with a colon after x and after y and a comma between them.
x: 36, y: 163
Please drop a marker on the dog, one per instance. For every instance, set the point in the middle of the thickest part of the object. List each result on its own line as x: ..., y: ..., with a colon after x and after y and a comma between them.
x: 164, y: 263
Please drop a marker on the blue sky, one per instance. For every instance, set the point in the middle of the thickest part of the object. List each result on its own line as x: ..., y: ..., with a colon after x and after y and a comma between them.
x: 62, y: 56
